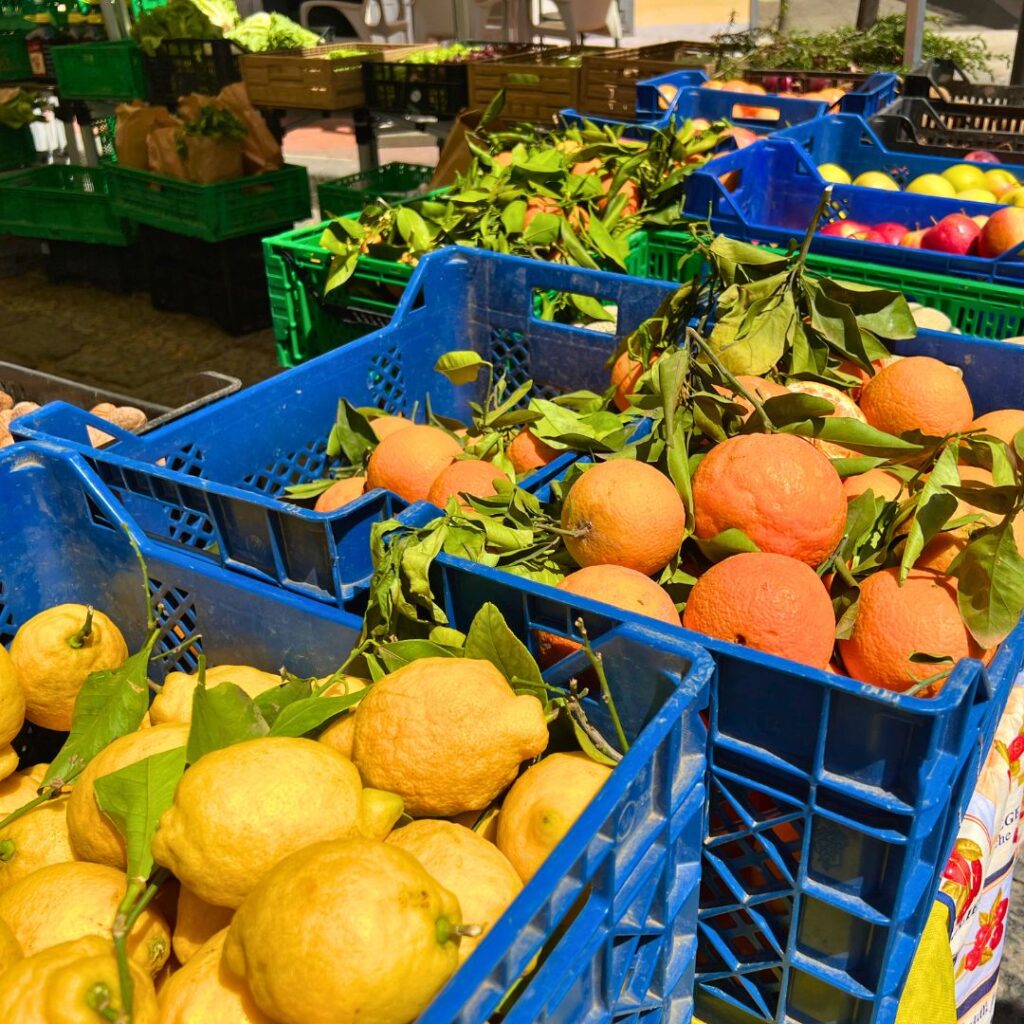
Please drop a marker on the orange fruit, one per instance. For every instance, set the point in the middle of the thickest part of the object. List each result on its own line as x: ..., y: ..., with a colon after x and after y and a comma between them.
x: 882, y: 483
x: 624, y: 588
x: 624, y: 513
x: 539, y: 204
x: 842, y: 405
x: 761, y: 388
x: 772, y: 603
x: 408, y: 461
x: 504, y: 158
x: 917, y: 393
x: 528, y: 452
x: 626, y: 371
x: 585, y: 167
x: 894, y: 622
x: 340, y: 493
x: 853, y: 370
x: 385, y: 426
x: 464, y: 476
x: 778, y: 489
x: 1002, y: 423
x: 631, y: 191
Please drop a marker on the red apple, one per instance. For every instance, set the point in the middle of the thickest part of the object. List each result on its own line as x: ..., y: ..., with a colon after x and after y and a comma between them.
x: 912, y: 239
x: 891, y: 232
x: 871, y: 235
x: 1004, y: 231
x: 954, y: 234
x: 982, y: 156
x: 846, y: 229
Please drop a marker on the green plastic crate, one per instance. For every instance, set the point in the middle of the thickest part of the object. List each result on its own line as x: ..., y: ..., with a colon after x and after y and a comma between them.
x: 62, y: 202
x: 227, y: 209
x: 307, y: 325
x: 392, y: 182
x: 16, y: 148
x: 976, y: 308
x: 100, y: 71
x: 14, y: 64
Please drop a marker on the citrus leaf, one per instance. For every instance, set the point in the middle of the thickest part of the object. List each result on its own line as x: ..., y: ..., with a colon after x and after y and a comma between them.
x: 589, y: 748
x: 460, y: 367
x: 934, y: 507
x: 990, y: 590
x: 110, y: 704
x: 490, y: 639
x: 272, y: 702
x: 785, y: 409
x: 413, y: 228
x: 1018, y: 444
x: 401, y: 652
x: 513, y: 215
x: 134, y: 797
x: 589, y: 306
x: 221, y: 717
x: 542, y: 230
x: 351, y: 435
x: 447, y: 637
x: 999, y: 500
x: 729, y: 542
x: 853, y: 434
x: 309, y: 714
x: 311, y: 490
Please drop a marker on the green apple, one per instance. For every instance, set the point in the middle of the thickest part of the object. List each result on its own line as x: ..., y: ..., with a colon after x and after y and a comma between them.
x: 1015, y: 197
x: 977, y: 195
x: 876, y: 179
x: 932, y: 185
x: 964, y: 176
x: 998, y: 181
x: 833, y: 172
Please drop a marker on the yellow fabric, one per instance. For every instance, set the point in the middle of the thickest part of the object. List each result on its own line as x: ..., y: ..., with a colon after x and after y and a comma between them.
x: 930, y: 996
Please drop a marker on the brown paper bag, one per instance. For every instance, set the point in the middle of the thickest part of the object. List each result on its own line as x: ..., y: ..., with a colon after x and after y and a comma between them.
x: 210, y: 160
x: 135, y: 121
x: 163, y: 154
x: 261, y: 152
x: 191, y: 106
x: 456, y: 156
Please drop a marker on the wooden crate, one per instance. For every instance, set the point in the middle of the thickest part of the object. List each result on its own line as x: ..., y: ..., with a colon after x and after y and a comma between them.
x: 309, y: 80
x: 608, y: 80
x: 537, y: 85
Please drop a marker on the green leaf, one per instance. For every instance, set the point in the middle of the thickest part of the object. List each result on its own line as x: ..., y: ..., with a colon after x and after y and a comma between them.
x: 447, y: 637
x: 933, y: 508
x: 590, y: 307
x: 221, y: 717
x: 545, y: 162
x: 990, y: 591
x: 729, y: 542
x: 489, y: 638
x: 607, y: 245
x: 513, y: 215
x: 999, y: 500
x: 311, y: 490
x: 734, y: 260
x: 110, y: 704
x: 588, y: 747
x: 879, y: 310
x: 308, y: 715
x: 413, y: 228
x: 351, y: 435
x: 1018, y: 444
x: 543, y: 230
x: 341, y: 269
x: 134, y: 797
x: 753, y: 334
x: 854, y: 434
x: 461, y: 367
x: 794, y: 408
x: 399, y: 653
x: 272, y: 702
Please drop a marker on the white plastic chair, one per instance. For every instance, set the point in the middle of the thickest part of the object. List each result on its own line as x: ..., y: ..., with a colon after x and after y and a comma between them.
x: 573, y: 19
x: 371, y: 20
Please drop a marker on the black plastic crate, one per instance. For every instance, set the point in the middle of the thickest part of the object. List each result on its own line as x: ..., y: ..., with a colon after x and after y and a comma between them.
x: 221, y: 281
x: 434, y: 90
x: 915, y: 124
x: 946, y: 81
x: 182, y: 66
x: 114, y: 268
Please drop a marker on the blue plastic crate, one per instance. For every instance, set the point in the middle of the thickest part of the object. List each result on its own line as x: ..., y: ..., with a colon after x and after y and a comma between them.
x: 616, y: 901
x: 777, y: 193
x: 851, y: 142
x: 717, y: 105
x: 211, y: 483
x: 833, y: 808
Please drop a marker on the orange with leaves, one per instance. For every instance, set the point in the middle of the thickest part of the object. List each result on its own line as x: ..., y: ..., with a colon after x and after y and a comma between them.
x: 409, y: 461
x: 778, y: 489
x: 626, y: 371
x: 624, y: 512
x: 528, y: 452
x: 385, y: 426
x: 340, y: 493
x: 616, y: 585
x: 464, y: 476
x: 771, y: 603
x: 917, y: 393
x: 1002, y: 423
x: 894, y: 623
x: 880, y: 482
x: 760, y: 387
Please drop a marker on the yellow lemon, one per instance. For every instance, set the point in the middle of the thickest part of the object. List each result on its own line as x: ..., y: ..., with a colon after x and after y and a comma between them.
x: 543, y: 805
x: 63, y: 984
x: 54, y: 656
x: 195, y: 922
x: 446, y: 734
x: 12, y: 712
x: 17, y: 789
x: 239, y: 810
x: 10, y: 948
x: 478, y: 873
x: 345, y: 932
x: 34, y: 841
x: 174, y: 701
x: 340, y: 733
x: 93, y: 835
x: 204, y: 991
x: 63, y: 902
